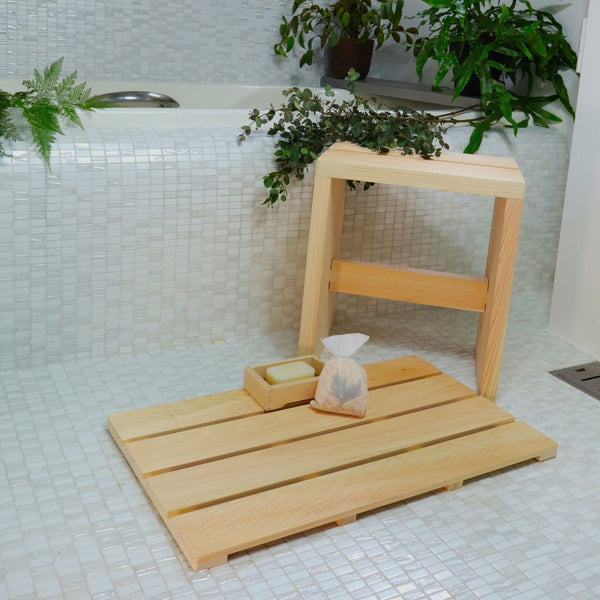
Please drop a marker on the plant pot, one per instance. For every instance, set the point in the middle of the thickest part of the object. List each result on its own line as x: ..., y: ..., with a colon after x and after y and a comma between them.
x: 348, y: 53
x: 473, y: 89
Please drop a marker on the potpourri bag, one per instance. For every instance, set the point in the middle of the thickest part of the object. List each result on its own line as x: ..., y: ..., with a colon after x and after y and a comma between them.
x: 342, y: 386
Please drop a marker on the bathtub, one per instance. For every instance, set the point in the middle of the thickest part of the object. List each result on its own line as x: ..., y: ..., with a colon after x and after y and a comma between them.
x: 149, y: 232
x: 201, y: 105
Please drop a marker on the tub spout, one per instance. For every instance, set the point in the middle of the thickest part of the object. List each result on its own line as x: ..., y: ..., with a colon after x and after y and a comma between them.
x: 139, y: 99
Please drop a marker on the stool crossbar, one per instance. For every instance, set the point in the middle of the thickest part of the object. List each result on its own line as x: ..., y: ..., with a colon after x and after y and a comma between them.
x: 328, y: 274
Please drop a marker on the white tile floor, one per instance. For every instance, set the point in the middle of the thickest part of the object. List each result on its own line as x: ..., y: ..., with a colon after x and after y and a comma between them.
x: 74, y: 524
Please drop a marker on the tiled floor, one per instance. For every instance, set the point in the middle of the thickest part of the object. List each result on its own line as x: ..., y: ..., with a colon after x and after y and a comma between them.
x: 74, y: 524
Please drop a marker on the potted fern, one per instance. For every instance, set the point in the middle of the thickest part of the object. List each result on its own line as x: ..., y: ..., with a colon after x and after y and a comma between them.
x: 508, y: 50
x: 348, y: 30
x: 38, y: 110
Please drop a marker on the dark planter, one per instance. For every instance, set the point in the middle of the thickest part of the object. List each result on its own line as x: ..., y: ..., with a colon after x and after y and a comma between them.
x: 473, y: 89
x: 349, y: 53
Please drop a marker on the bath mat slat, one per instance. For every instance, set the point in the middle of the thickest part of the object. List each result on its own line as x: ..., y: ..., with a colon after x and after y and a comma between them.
x: 247, y: 473
x: 260, y: 518
x: 159, y: 419
x: 193, y: 446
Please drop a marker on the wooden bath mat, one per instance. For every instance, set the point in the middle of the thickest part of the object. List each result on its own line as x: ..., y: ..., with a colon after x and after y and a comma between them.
x: 226, y: 476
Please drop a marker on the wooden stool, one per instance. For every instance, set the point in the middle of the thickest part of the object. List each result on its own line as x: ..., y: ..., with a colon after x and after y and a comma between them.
x: 327, y: 274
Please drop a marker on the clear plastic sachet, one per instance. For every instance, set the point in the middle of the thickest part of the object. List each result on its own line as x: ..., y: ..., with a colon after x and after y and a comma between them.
x: 342, y: 386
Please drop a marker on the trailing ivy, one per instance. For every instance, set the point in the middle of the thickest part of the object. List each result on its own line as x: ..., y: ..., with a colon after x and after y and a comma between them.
x: 309, y: 123
x: 44, y: 103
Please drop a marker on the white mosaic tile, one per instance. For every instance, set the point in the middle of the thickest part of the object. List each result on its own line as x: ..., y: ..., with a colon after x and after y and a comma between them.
x: 142, y: 240
x: 150, y: 40
x: 74, y: 523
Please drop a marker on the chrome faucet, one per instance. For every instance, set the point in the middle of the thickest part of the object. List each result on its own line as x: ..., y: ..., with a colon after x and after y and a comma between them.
x: 140, y: 99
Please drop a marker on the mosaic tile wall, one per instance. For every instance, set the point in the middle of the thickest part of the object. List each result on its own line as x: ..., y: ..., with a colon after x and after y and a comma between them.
x: 141, y: 239
x: 198, y: 41
x: 181, y: 41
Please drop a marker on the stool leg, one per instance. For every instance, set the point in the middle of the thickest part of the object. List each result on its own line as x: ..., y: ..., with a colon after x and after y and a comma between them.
x: 501, y: 257
x: 324, y: 241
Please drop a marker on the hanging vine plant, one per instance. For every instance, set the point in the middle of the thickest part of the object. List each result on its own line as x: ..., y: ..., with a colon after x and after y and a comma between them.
x: 309, y: 123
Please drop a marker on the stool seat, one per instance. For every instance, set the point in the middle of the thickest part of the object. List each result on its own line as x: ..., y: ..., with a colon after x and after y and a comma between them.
x: 328, y: 274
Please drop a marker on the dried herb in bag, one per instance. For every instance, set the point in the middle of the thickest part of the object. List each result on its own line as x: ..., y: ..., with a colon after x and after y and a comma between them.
x: 342, y: 386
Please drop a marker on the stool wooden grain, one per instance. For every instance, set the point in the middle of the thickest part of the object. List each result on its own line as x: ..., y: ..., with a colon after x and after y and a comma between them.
x: 328, y: 274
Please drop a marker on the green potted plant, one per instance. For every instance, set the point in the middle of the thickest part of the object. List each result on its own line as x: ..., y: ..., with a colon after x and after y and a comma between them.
x: 309, y: 122
x: 37, y: 111
x: 510, y: 50
x: 348, y: 29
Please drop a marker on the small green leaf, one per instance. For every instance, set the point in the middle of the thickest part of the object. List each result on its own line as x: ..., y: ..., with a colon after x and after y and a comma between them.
x: 476, y: 137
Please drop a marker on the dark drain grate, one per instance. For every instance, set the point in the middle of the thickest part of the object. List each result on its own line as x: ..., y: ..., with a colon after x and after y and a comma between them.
x: 584, y: 377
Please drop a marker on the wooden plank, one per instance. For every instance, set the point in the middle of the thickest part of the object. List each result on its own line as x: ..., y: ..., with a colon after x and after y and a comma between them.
x: 186, y: 489
x: 287, y: 510
x: 185, y: 448
x: 170, y: 417
x: 472, y: 176
x: 504, y: 238
x: 475, y: 160
x: 144, y: 422
x: 324, y: 240
x: 398, y: 370
x: 409, y: 285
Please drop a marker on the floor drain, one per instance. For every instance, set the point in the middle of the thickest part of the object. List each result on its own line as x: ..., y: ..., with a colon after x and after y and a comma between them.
x: 584, y: 377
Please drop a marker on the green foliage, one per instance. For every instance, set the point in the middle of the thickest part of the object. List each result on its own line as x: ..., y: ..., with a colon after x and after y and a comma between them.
x: 498, y: 43
x: 46, y: 101
x: 314, y: 27
x: 308, y: 123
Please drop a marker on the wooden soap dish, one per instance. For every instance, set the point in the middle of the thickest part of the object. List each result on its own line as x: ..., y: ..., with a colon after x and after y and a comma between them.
x: 273, y: 397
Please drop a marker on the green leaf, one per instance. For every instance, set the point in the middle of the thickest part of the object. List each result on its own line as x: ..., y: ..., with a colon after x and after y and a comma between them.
x: 562, y: 93
x: 278, y: 49
x: 440, y: 3
x: 476, y: 137
x: 506, y: 108
x: 307, y: 58
x: 334, y: 38
x: 537, y: 45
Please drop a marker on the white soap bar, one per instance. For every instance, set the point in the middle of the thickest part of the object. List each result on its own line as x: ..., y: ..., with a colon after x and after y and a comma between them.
x: 289, y: 372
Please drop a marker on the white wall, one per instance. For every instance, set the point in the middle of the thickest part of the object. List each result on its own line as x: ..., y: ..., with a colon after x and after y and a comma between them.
x: 575, y: 310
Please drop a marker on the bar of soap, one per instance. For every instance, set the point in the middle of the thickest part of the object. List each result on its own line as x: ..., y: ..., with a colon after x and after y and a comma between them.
x: 289, y: 372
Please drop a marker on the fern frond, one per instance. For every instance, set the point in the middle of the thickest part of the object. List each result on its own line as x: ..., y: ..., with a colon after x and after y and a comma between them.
x: 64, y: 89
x: 49, y: 81
x: 71, y: 114
x: 44, y: 123
x: 47, y: 98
